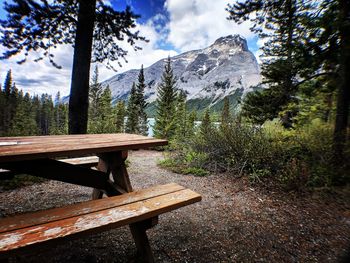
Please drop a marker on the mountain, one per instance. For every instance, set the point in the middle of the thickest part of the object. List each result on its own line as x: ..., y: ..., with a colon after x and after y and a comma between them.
x: 225, y: 68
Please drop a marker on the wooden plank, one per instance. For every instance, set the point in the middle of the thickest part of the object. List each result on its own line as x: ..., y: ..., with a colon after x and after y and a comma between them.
x: 100, y: 220
x: 64, y: 172
x: 54, y: 148
x: 89, y: 161
x: 37, y: 218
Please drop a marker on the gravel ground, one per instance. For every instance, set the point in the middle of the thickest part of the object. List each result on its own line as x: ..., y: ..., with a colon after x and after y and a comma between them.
x: 235, y: 222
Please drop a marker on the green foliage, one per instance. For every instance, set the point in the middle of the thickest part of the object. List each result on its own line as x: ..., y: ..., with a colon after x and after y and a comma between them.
x: 141, y: 104
x: 22, y: 115
x: 60, y: 117
x: 91, y: 27
x: 306, y: 43
x: 136, y: 110
x: 206, y: 125
x: 101, y: 112
x: 165, y: 120
x: 120, y: 115
x: 295, y: 158
x: 225, y: 114
x: 195, y: 171
x: 24, y: 122
x: 132, y: 112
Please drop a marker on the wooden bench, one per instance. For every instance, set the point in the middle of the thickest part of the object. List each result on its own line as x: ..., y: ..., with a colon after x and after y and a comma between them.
x: 38, y: 229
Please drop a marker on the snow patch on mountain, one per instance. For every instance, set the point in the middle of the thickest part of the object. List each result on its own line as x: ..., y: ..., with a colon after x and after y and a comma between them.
x: 213, y: 72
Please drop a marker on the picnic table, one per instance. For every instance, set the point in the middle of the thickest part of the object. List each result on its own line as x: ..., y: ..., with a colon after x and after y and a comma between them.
x: 50, y: 157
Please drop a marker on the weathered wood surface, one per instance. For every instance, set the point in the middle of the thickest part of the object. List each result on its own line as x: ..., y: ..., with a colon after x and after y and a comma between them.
x: 64, y: 172
x: 89, y: 161
x: 34, y: 147
x: 91, y: 216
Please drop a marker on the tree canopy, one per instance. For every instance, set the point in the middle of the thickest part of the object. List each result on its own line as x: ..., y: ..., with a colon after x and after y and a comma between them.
x: 306, y: 42
x: 92, y: 27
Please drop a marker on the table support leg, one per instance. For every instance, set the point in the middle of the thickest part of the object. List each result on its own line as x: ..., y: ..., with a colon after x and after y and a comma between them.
x: 144, y: 251
x: 103, y: 167
x: 115, y: 163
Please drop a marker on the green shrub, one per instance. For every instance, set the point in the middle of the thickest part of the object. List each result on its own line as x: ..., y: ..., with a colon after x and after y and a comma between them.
x: 195, y: 171
x: 294, y: 158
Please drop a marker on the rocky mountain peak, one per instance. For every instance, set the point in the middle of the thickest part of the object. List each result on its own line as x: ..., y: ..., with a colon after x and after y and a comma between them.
x: 225, y: 68
x: 232, y: 41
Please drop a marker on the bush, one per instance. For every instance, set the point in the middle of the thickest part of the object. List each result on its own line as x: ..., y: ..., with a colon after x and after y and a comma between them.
x: 294, y: 158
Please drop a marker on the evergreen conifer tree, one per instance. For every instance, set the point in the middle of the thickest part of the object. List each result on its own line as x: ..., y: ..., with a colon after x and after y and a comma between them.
x: 165, y: 122
x: 141, y: 104
x: 46, y: 114
x: 225, y: 114
x: 8, y: 107
x: 181, y: 118
x: 308, y: 39
x: 120, y: 116
x: 283, y: 62
x: 24, y: 123
x: 60, y: 116
x: 95, y: 94
x: 106, y: 124
x: 2, y: 109
x: 191, y: 123
x: 206, y: 126
x: 132, y: 112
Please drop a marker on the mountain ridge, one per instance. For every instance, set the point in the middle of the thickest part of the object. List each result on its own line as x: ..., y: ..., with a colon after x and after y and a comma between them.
x: 225, y: 68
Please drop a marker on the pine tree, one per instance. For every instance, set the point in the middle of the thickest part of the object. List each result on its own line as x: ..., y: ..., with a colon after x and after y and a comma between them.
x: 316, y: 43
x: 120, y: 116
x: 36, y: 108
x: 106, y: 123
x: 60, y: 125
x: 191, y: 123
x: 165, y: 123
x: 24, y: 123
x: 141, y: 104
x: 95, y: 94
x: 8, y: 108
x: 283, y: 51
x: 132, y: 112
x: 2, y: 111
x: 46, y: 114
x: 225, y: 114
x: 206, y: 126
x: 181, y: 118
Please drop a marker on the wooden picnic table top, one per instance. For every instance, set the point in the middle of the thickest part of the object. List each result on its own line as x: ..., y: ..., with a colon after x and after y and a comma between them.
x: 37, y: 147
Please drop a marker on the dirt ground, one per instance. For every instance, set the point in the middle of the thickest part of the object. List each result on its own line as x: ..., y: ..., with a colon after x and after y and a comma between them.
x: 235, y: 222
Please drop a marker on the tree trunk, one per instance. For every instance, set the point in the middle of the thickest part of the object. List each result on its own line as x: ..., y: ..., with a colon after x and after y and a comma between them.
x: 342, y: 114
x: 79, y: 93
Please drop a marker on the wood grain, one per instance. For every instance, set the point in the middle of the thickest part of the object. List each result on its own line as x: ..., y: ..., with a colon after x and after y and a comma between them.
x: 34, y: 147
x: 55, y: 214
x: 100, y: 220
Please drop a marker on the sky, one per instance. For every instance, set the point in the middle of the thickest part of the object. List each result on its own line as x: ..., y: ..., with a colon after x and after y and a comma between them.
x: 172, y: 27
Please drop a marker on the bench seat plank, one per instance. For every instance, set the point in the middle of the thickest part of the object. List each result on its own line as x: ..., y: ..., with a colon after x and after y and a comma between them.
x: 118, y: 211
x: 36, y: 218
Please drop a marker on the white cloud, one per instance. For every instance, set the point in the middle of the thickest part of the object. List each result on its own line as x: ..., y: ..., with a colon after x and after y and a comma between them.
x: 40, y: 77
x: 196, y: 24
x: 192, y: 24
x: 149, y: 54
